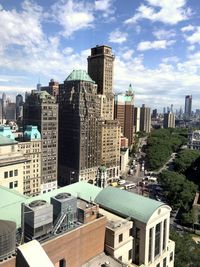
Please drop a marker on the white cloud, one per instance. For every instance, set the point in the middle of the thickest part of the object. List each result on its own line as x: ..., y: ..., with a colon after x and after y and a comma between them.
x: 191, y: 47
x: 118, y: 37
x: 161, y: 44
x: 164, y: 34
x: 105, y: 6
x: 170, y: 11
x: 73, y: 16
x: 127, y: 54
x: 188, y: 28
x: 195, y: 37
x: 170, y: 59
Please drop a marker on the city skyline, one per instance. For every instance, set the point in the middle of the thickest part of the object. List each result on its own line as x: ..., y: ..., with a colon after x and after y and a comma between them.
x: 155, y: 43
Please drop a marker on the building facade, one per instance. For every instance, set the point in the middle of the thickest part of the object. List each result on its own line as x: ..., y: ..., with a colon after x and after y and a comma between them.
x: 31, y: 149
x: 169, y: 120
x: 41, y: 110
x: 124, y: 111
x: 145, y: 119
x: 79, y: 129
x: 52, y: 88
x: 194, y: 140
x: 137, y: 119
x: 19, y: 107
x: 188, y: 106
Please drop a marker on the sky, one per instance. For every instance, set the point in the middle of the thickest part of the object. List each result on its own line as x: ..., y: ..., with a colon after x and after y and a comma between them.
x: 156, y: 44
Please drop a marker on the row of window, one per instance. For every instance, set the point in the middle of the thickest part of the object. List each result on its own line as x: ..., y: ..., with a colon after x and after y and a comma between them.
x: 13, y: 184
x: 11, y: 173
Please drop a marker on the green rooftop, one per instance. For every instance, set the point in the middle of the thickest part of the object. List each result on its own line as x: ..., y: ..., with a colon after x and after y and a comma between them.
x: 79, y: 75
x: 10, y: 201
x: 6, y: 141
x: 127, y: 204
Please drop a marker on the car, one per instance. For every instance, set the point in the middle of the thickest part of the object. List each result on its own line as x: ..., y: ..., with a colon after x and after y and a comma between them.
x: 120, y: 182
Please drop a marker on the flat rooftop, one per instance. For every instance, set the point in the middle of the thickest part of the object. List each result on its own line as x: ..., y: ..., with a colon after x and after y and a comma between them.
x: 102, y: 260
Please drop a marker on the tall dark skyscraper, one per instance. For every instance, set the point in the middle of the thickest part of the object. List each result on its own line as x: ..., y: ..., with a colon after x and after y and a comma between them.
x: 40, y: 109
x: 79, y: 129
x: 188, y: 106
x: 19, y: 106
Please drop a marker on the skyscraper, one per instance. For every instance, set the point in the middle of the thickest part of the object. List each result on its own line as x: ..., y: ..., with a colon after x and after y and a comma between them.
x: 19, y: 106
x: 123, y: 112
x: 40, y: 109
x: 79, y: 129
x: 100, y: 69
x: 52, y: 88
x: 188, y: 106
x: 145, y: 119
x: 169, y: 120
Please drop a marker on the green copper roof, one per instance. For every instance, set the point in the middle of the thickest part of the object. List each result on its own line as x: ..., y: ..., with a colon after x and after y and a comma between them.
x: 10, y: 204
x: 6, y: 131
x: 32, y: 133
x: 79, y: 75
x: 127, y: 204
x: 6, y: 141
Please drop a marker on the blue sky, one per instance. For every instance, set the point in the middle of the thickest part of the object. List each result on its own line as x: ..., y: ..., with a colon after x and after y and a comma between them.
x: 156, y: 45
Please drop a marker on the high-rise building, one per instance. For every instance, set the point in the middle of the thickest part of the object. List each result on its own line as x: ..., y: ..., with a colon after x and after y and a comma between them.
x: 154, y: 114
x: 30, y: 146
x: 19, y: 106
x: 123, y: 112
x: 79, y: 129
x: 169, y: 120
x: 188, y: 106
x: 137, y: 119
x: 145, y: 119
x: 100, y: 69
x: 40, y: 109
x: 52, y: 88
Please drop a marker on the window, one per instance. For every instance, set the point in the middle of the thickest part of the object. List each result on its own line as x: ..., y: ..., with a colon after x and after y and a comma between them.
x: 120, y: 238
x: 164, y: 234
x: 15, y: 172
x: 130, y: 232
x: 5, y: 174
x: 120, y: 258
x: 150, y: 243
x: 11, y: 185
x: 15, y: 183
x: 157, y: 240
x: 165, y: 262
x: 158, y: 265
x: 62, y: 263
x: 171, y: 256
x: 10, y: 173
x: 130, y: 254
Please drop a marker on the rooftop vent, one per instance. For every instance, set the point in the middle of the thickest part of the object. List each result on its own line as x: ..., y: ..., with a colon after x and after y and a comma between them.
x: 37, y: 203
x: 63, y: 196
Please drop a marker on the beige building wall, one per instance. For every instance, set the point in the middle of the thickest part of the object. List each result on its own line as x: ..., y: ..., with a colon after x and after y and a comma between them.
x: 118, y: 238
x: 11, y: 167
x: 107, y: 106
x: 137, y: 119
x: 32, y: 168
x: 110, y: 148
x: 147, y: 244
x: 124, y: 159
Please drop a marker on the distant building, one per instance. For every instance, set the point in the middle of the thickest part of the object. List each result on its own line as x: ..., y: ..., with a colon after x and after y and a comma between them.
x: 188, y: 106
x: 19, y: 107
x: 145, y: 119
x: 194, y: 140
x: 11, y: 161
x: 52, y: 88
x: 41, y: 110
x: 31, y: 149
x: 100, y: 69
x: 137, y: 119
x: 79, y: 129
x: 169, y: 120
x: 154, y: 114
x: 123, y: 112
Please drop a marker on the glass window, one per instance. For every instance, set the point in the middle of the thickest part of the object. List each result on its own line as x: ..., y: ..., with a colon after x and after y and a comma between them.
x: 5, y: 174
x: 120, y: 238
x: 10, y: 173
x: 150, y: 243
x: 164, y: 234
x: 171, y: 256
x: 15, y: 172
x: 120, y: 258
x: 157, y: 240
x: 165, y: 262
x: 15, y: 183
x: 11, y: 185
x: 130, y: 254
